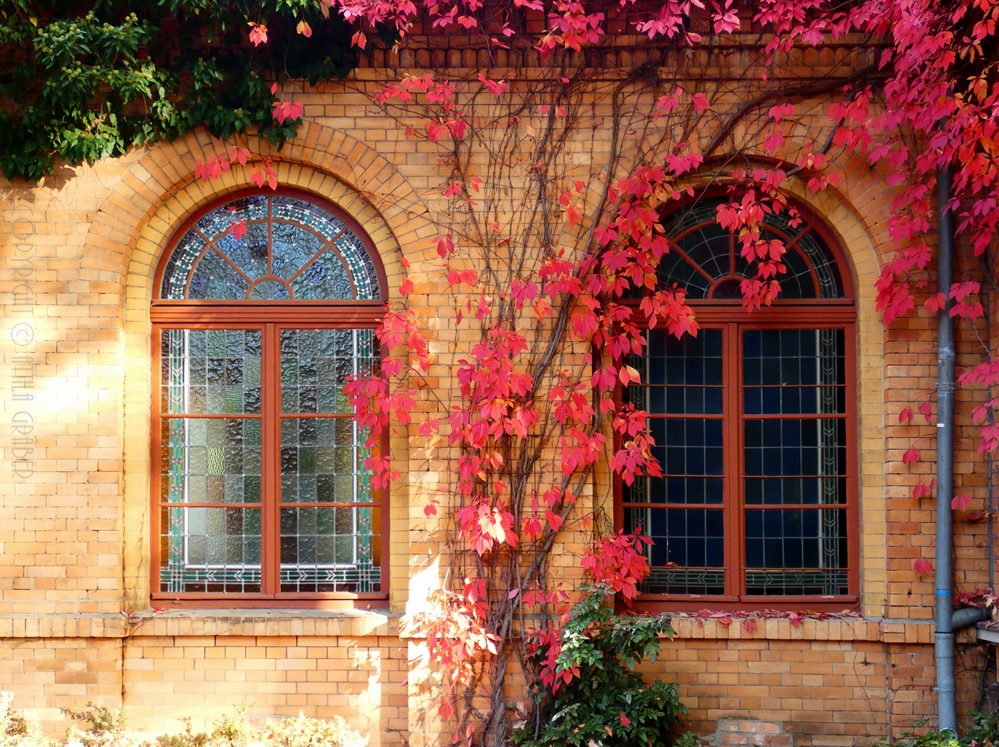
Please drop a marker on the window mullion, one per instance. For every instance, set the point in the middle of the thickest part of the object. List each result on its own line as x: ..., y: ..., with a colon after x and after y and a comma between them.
x: 732, y: 380
x: 270, y: 520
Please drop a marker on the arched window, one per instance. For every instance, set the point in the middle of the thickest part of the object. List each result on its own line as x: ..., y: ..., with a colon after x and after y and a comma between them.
x: 263, y: 305
x: 754, y: 425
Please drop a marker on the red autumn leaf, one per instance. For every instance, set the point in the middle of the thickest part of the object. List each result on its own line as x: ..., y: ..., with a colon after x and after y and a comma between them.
x: 926, y: 410
x: 625, y: 721
x: 961, y: 502
x: 405, y: 287
x: 238, y: 229
x: 258, y: 33
x: 922, y: 566
x: 304, y: 29
x: 496, y: 87
x: 910, y: 456
x: 905, y: 416
x: 286, y: 110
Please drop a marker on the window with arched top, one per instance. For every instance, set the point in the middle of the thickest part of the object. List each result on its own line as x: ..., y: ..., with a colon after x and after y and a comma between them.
x: 754, y: 421
x: 264, y: 304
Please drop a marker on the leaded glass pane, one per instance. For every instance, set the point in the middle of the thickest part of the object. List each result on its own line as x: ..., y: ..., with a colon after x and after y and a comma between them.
x: 220, y: 221
x: 796, y: 552
x: 362, y: 269
x: 688, y: 551
x: 679, y: 376
x: 695, y: 230
x: 322, y: 461
x: 271, y: 290
x: 280, y: 240
x: 180, y: 264
x: 294, y: 247
x: 308, y: 214
x: 331, y: 549
x: 214, y: 371
x: 797, y: 280
x: 210, y: 549
x: 210, y: 460
x: 315, y: 364
x: 795, y: 461
x: 325, y: 277
x: 249, y: 252
x: 215, y: 278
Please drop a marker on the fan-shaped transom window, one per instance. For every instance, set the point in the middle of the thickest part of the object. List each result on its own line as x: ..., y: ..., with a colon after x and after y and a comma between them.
x: 754, y: 426
x: 260, y: 493
x: 270, y: 248
x: 705, y: 258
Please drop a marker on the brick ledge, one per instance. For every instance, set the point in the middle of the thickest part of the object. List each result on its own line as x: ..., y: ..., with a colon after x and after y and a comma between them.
x: 307, y: 623
x: 202, y: 623
x: 885, y: 630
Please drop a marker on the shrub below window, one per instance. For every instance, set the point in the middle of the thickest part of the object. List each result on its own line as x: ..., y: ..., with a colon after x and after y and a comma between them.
x: 106, y: 728
x: 590, y: 694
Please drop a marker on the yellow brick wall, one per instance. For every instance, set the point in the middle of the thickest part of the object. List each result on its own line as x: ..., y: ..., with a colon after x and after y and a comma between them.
x: 74, y: 534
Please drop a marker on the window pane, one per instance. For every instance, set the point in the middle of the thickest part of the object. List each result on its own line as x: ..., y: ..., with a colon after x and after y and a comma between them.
x: 217, y: 279
x: 330, y: 549
x: 210, y: 460
x: 315, y: 364
x: 679, y: 376
x: 210, y: 549
x: 214, y: 371
x: 786, y: 448
x: 249, y: 252
x: 294, y: 246
x: 796, y: 551
x: 807, y: 358
x: 688, y: 551
x: 286, y: 239
x: 325, y: 277
x: 322, y: 461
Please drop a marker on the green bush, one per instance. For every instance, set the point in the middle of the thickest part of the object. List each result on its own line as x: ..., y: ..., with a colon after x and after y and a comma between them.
x: 106, y: 728
x: 984, y: 732
x: 606, y: 702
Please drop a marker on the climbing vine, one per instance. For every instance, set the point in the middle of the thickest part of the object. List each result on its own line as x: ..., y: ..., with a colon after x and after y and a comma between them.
x: 536, y: 259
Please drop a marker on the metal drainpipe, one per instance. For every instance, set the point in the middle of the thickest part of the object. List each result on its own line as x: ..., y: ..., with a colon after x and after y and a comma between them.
x: 944, y: 636
x: 947, y: 620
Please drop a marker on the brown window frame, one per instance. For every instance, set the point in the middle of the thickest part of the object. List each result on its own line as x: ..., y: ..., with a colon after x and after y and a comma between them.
x: 270, y: 318
x: 732, y: 318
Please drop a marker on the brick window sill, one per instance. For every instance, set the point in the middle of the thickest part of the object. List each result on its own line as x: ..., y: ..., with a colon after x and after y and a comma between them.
x: 876, y: 629
x: 183, y: 623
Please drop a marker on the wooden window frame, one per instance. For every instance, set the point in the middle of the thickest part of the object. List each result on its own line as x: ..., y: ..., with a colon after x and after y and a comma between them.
x: 270, y: 318
x: 733, y: 319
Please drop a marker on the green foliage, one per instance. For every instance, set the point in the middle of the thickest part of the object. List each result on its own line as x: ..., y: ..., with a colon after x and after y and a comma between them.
x: 107, y: 729
x: 983, y: 732
x: 86, y: 81
x: 606, y: 702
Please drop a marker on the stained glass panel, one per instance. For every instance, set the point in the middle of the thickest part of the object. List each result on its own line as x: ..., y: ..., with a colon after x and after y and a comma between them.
x: 285, y: 249
x: 322, y: 461
x: 696, y: 232
x: 213, y: 371
x: 214, y: 460
x: 249, y: 252
x: 330, y: 549
x: 315, y: 364
x: 210, y: 550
